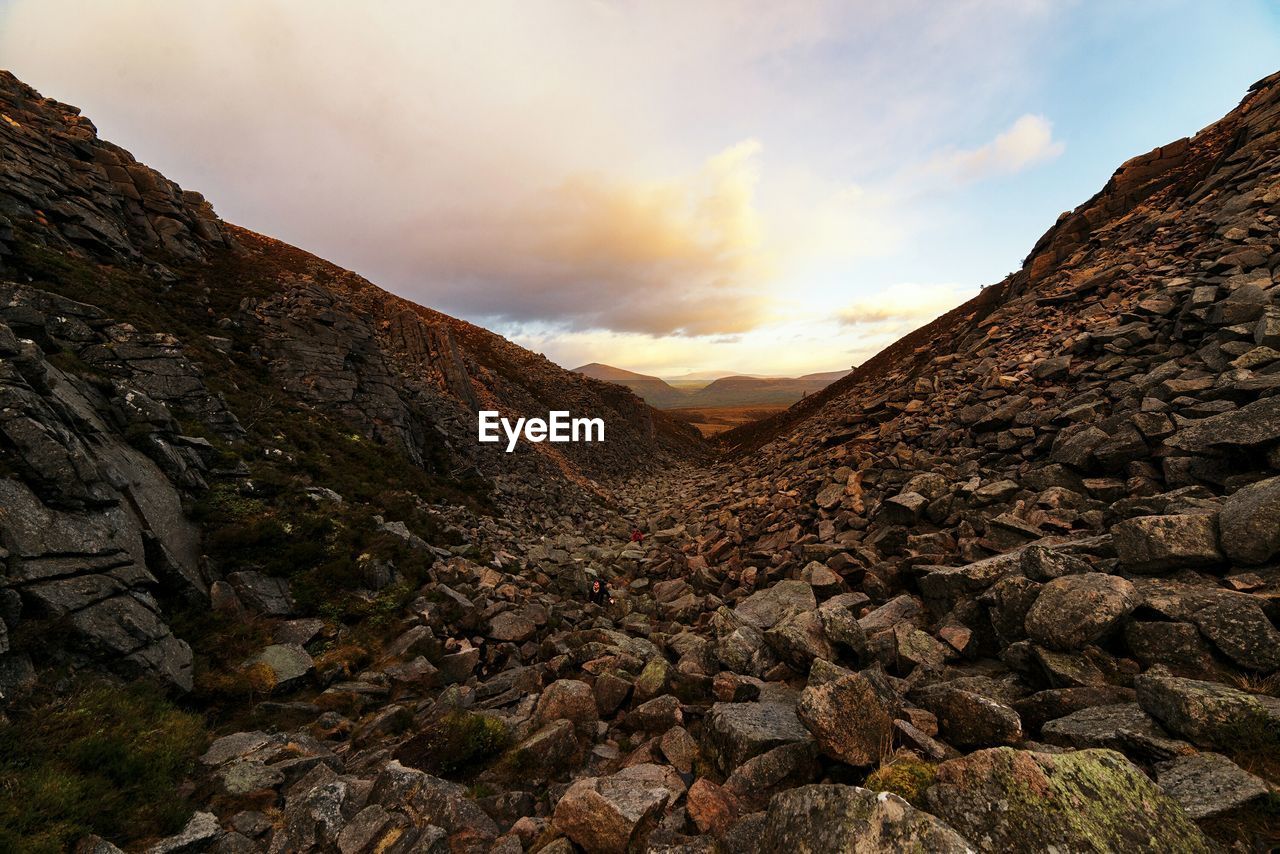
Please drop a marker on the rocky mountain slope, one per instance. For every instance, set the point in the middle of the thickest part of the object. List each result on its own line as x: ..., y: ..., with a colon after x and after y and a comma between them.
x: 1009, y: 586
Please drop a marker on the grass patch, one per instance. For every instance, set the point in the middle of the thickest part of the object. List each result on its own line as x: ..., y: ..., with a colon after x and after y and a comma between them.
x: 904, y: 774
x: 104, y: 759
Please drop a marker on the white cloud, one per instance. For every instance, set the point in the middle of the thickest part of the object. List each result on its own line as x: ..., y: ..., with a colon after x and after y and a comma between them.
x: 657, y: 168
x: 904, y: 304
x: 1027, y: 142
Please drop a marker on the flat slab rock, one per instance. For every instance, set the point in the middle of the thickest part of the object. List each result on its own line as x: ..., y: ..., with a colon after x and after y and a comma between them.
x: 1209, y: 784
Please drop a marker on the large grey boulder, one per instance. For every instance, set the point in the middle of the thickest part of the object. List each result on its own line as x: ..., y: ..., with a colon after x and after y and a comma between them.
x: 1250, y: 522
x: 1101, y: 726
x: 765, y: 608
x: 1076, y: 610
x: 735, y: 732
x: 289, y: 663
x: 835, y: 819
x: 1242, y: 632
x: 1165, y: 543
x: 1255, y: 424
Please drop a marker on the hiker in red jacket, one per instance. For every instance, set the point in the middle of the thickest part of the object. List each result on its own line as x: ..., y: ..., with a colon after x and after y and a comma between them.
x: 637, y: 536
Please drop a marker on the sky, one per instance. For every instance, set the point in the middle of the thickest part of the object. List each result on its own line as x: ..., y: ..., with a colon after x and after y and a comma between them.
x: 659, y: 185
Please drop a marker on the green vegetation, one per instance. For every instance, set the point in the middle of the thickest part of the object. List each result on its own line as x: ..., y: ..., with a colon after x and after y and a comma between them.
x: 457, y: 742
x: 105, y: 759
x: 904, y: 774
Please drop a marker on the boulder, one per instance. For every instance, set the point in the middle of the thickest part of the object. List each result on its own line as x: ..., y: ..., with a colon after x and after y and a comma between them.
x: 735, y: 732
x: 1088, y: 800
x: 512, y: 627
x: 1250, y: 522
x: 1207, y: 714
x: 263, y: 594
x: 765, y: 608
x: 548, y: 749
x: 289, y: 663
x: 198, y: 835
x: 1209, y: 784
x: 610, y: 815
x: 1255, y: 424
x: 1242, y: 632
x: 1101, y: 726
x: 799, y: 638
x: 966, y: 719
x: 835, y: 819
x: 1076, y: 610
x: 1165, y: 543
x: 567, y: 699
x: 655, y: 716
x: 712, y: 807
x: 849, y: 718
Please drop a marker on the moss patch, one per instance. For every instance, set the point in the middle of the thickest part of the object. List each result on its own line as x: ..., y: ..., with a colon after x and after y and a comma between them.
x: 906, y: 775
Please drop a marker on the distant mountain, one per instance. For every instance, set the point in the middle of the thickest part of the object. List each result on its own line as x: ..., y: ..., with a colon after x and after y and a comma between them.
x: 731, y: 390
x: 736, y: 391
x: 653, y: 390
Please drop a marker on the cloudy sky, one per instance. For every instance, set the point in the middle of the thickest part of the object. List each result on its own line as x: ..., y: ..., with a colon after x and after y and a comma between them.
x: 663, y: 186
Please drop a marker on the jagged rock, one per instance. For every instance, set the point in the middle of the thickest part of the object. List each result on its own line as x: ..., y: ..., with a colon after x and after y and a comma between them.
x: 199, y: 831
x: 656, y: 716
x: 549, y: 748
x: 679, y: 748
x: 609, y: 814
x: 848, y: 718
x: 849, y: 819
x: 1209, y: 784
x: 432, y: 801
x: 263, y: 594
x: 1014, y: 800
x: 373, y: 829
x: 1207, y: 714
x: 712, y: 807
x: 510, y: 626
x: 736, y: 732
x: 567, y: 699
x: 799, y: 638
x: 1076, y: 610
x: 1044, y: 706
x: 1255, y: 424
